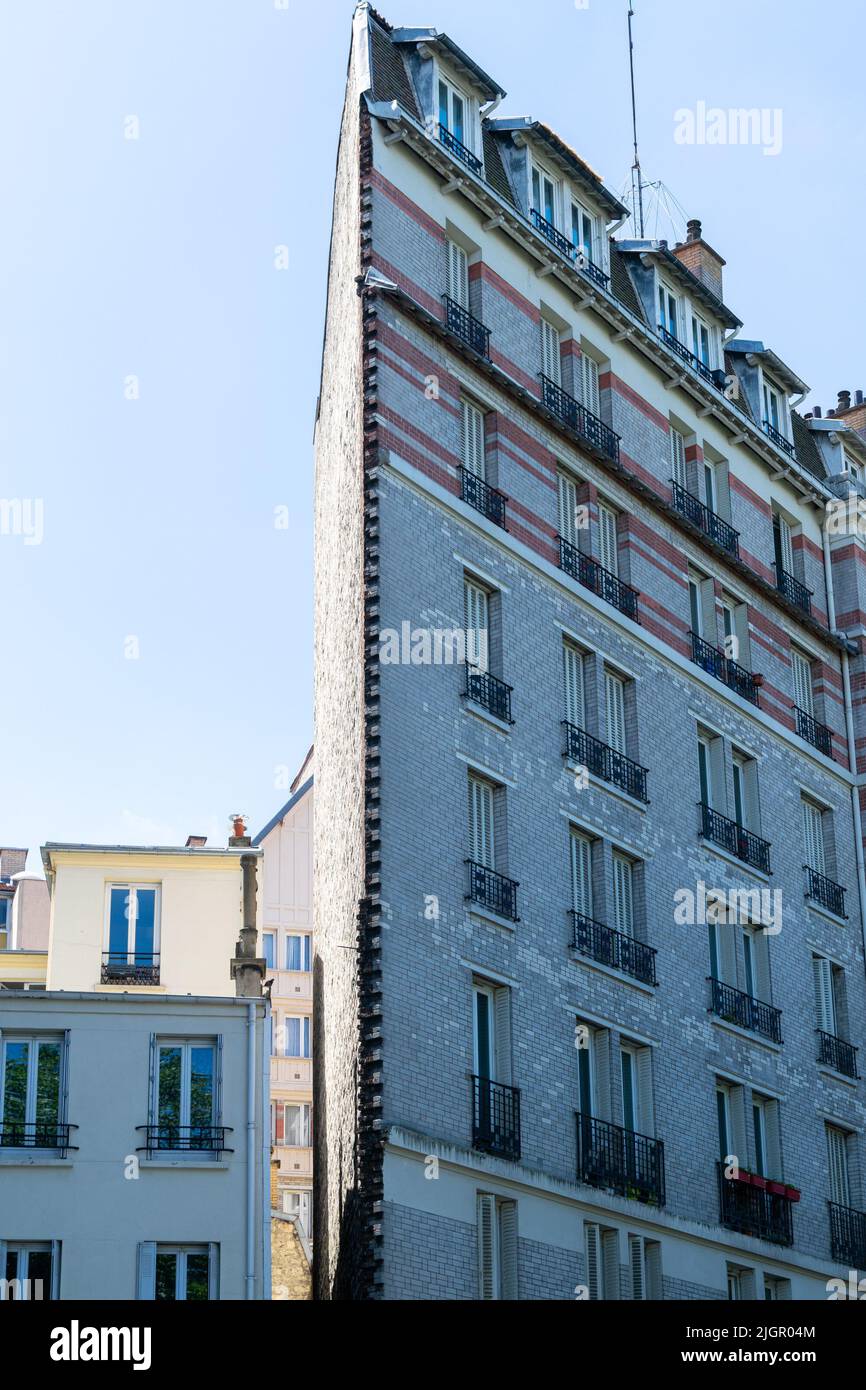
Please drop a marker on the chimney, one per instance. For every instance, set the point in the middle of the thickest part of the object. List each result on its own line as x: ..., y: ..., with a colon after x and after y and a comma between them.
x: 239, y: 839
x: 816, y: 411
x: 247, y: 969
x: 12, y: 861
x: 196, y: 841
x: 843, y: 402
x: 853, y: 414
x: 700, y: 258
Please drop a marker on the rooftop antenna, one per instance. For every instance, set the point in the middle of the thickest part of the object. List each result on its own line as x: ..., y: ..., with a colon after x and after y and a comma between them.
x: 636, y: 176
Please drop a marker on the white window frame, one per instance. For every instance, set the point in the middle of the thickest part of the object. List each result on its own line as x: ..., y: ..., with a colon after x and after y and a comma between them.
x: 473, y: 439
x: 304, y: 1033
x: 544, y: 175
x: 132, y: 889
x: 589, y: 375
x: 457, y: 273
x: 34, y: 1041
x: 839, y: 1166
x: 584, y: 215
x: 306, y: 952
x: 801, y: 672
x: 678, y: 458
x: 608, y: 537
x: 671, y: 304
x: 773, y: 396
x: 23, y: 1282
x: 305, y: 1123
x: 476, y: 622
x: 467, y: 139
x: 497, y: 1247
x: 551, y: 350
x: 482, y: 827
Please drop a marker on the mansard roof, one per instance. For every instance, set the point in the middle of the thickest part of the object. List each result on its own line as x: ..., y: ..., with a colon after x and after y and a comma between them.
x: 568, y: 160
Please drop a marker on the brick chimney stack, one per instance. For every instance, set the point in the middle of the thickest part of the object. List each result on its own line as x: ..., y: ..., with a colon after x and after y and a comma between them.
x: 852, y: 412
x: 700, y: 258
x: 247, y: 969
x: 12, y: 861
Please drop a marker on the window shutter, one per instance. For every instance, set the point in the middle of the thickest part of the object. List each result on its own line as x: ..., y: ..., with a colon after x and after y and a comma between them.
x: 825, y: 1011
x: 773, y: 1139
x: 458, y: 275
x: 508, y: 1248
x: 593, y: 1261
x: 813, y: 835
x: 761, y: 965
x: 486, y: 1252
x: 502, y: 1034
x: 837, y: 1149
x: 610, y: 1263
x: 645, y: 1116
x: 614, y: 689
x: 473, y: 440
x: 601, y: 1072
x: 678, y: 457
x: 727, y: 952
x: 573, y: 670
x: 635, y: 1260
x: 607, y: 539
x: 481, y: 843
x: 581, y: 874
x: 550, y: 356
x: 653, y: 1268
x: 213, y: 1271
x: 567, y: 508
x: 146, y: 1279
x: 589, y: 374
x: 55, y: 1270
x: 477, y: 624
x: 737, y: 1136
x: 802, y: 670
x: 785, y: 546
x: 623, y: 903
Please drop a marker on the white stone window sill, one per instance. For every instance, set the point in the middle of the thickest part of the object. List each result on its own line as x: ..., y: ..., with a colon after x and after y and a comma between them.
x: 732, y: 859
x: 746, y: 1033
x: 610, y: 787
x: 580, y: 959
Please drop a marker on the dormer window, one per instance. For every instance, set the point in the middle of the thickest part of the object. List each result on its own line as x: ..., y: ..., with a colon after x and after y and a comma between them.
x: 776, y: 420
x: 701, y: 341
x: 772, y: 407
x: 452, y: 112
x: 544, y: 195
x: 667, y: 310
x: 583, y: 232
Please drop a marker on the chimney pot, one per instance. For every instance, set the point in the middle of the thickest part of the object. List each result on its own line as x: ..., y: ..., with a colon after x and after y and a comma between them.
x: 844, y: 401
x: 858, y: 397
x: 693, y: 229
x: 816, y: 411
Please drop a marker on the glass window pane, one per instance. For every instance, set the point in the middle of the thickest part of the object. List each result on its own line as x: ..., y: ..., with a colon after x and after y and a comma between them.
x: 201, y: 1086
x: 118, y: 926
x: 145, y: 925
x: 48, y: 1083
x: 166, y: 1278
x: 293, y: 953
x: 196, y: 1277
x: 269, y: 950
x: 457, y: 108
x: 15, y: 1084
x: 39, y: 1273
x: 443, y: 105
x: 482, y: 1016
x: 169, y: 1086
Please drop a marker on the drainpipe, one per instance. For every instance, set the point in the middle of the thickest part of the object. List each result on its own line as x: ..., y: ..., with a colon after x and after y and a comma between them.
x: 849, y: 730
x: 248, y: 972
x: 250, y: 1277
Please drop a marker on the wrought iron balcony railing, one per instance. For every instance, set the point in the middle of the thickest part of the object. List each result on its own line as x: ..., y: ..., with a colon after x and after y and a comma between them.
x: 471, y: 330
x: 484, y: 498
x: 605, y: 762
x: 824, y: 891
x: 793, y: 590
x: 708, y: 521
x: 614, y: 948
x: 493, y: 891
x: 495, y: 1117
x: 840, y: 1055
x: 594, y: 576
x: 459, y: 150
x: 577, y: 418
x: 119, y: 969
x: 620, y: 1160
x: 43, y: 1134
x: 172, y: 1138
x: 778, y: 439
x: 817, y: 734
x: 753, y: 1211
x: 848, y: 1236
x: 734, y: 1006
x: 589, y: 268
x: 490, y: 693
x: 552, y: 234
x: 734, y: 838
x: 715, y: 663
x: 712, y: 376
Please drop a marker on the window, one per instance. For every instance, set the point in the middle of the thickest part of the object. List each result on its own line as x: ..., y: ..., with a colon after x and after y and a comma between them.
x: 29, y: 1271
x: 544, y: 195
x: 269, y: 938
x: 299, y: 1203
x: 602, y: 1262
x: 31, y: 1091
x: 607, y: 525
x: 741, y: 1283
x: 296, y: 1128
x: 614, y: 692
x: 583, y: 232
x: 678, y: 458
x: 298, y: 952
x: 178, y: 1273
x: 482, y: 844
x: 783, y: 545
x: 765, y: 1126
x: 5, y: 924
x: 476, y: 612
x: 637, y: 1095
x: 581, y: 873
x: 701, y: 341
x: 667, y: 311
x: 730, y: 1114
x: 813, y: 837
x: 133, y: 924
x: 773, y: 412
x: 747, y: 811
x: 829, y: 982
x: 702, y: 607
x: 756, y: 964
x: 837, y: 1155
x: 573, y: 673
x: 623, y: 894
x: 473, y: 440
x: 452, y: 113
x: 297, y: 1035
x: 711, y: 771
x: 551, y: 362
x: 457, y: 274
x: 491, y: 1032
x: 723, y: 960
x: 735, y: 625
x: 568, y: 508
x: 185, y: 1094
x: 802, y: 671
x: 710, y: 490
x: 593, y: 1071
x: 776, y: 1289
x: 497, y: 1247
x: 645, y: 1268
x: 589, y: 383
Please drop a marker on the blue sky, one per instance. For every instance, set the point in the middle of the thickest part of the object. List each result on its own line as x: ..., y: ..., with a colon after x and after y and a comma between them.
x: 153, y: 258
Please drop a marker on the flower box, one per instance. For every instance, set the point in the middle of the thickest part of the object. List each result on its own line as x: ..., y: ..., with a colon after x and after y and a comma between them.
x: 777, y: 1189
x: 792, y: 1194
x: 758, y: 1181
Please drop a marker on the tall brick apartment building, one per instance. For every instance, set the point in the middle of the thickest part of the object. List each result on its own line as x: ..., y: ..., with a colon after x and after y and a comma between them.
x: 589, y: 971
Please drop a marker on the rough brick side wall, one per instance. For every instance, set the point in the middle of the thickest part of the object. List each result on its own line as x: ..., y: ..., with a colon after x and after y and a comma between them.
x: 291, y: 1280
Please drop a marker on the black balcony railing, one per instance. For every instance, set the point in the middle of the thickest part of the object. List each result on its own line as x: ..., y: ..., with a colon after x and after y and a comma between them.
x: 734, y: 838
x: 594, y: 576
x: 817, y: 734
x: 552, y: 234
x: 577, y: 418
x: 630, y: 1164
x: 605, y: 762
x: 495, y: 1117
x: 793, y: 590
x: 714, y: 661
x: 708, y: 521
x: 171, y: 1138
x: 736, y: 1007
x: 484, y: 498
x: 753, y: 1211
x: 824, y: 891
x: 463, y: 325
x: 836, y: 1053
x: 459, y: 150
x: 848, y: 1235
x: 614, y: 948
x: 778, y: 439
x: 490, y: 693
x: 119, y: 969
x: 590, y: 269
x: 712, y: 376
x: 492, y: 890
x: 43, y: 1134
